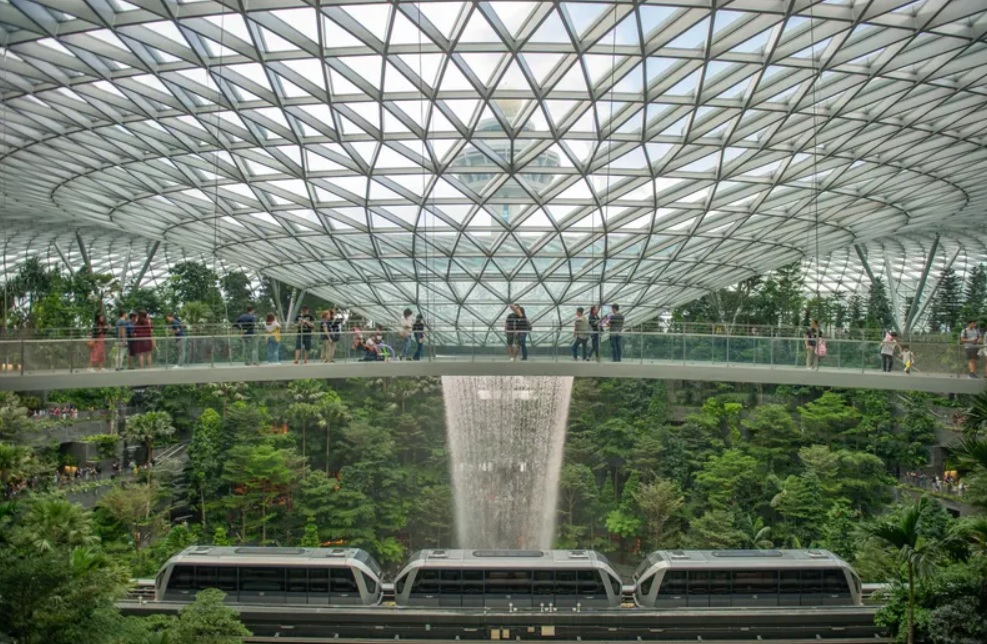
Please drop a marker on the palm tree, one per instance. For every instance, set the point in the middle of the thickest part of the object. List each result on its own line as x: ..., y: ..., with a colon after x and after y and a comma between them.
x: 975, y: 530
x: 148, y: 427
x: 52, y: 521
x: 16, y: 463
x: 975, y: 419
x: 970, y: 453
x: 756, y: 534
x: 904, y: 533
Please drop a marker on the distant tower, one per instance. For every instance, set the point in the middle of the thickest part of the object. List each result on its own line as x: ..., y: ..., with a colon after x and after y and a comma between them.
x: 506, y: 149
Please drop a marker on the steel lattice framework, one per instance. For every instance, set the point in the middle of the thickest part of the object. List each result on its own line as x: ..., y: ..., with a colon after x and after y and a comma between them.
x: 460, y: 155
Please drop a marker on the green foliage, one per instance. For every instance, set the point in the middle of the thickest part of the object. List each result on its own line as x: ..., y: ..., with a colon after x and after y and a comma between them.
x: 208, y: 621
x: 947, y: 304
x: 147, y: 428
x: 106, y: 444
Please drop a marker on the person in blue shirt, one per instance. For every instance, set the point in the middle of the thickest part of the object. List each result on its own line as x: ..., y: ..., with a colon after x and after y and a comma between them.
x: 247, y: 325
x: 178, y: 331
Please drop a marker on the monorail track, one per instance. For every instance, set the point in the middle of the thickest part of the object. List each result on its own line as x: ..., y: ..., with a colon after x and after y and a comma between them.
x: 355, y: 625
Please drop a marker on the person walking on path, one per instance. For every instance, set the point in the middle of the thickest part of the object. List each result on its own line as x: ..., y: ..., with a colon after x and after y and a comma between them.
x: 247, y: 325
x: 888, y: 347
x: 615, y: 322
x: 813, y: 335
x: 418, y: 329
x: 594, y: 335
x: 907, y: 357
x: 970, y: 341
x: 580, y: 333
x: 329, y: 327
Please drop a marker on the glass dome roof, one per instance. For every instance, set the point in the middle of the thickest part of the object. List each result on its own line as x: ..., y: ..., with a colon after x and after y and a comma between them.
x: 462, y: 155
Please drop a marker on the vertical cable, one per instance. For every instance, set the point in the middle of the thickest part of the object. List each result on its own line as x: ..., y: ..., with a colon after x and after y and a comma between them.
x: 816, y: 72
x: 605, y: 205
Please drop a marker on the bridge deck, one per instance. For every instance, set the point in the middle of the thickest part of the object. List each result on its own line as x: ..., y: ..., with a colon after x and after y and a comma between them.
x: 485, y: 366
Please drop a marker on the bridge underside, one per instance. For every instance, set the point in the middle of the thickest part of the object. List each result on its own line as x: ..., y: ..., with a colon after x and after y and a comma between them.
x: 657, y: 369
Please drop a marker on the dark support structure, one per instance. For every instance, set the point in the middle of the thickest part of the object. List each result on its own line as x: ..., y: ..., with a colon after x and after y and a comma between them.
x: 147, y: 264
x: 920, y: 287
x: 82, y: 250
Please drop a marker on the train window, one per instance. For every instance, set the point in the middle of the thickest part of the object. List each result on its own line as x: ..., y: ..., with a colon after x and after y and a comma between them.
x: 498, y: 582
x: 182, y: 578
x: 674, y: 583
x: 834, y: 583
x: 755, y: 582
x: 318, y: 581
x: 566, y: 582
x: 646, y: 585
x: 226, y: 578
x: 812, y: 581
x: 472, y: 582
x: 590, y: 583
x: 720, y: 582
x: 698, y: 582
x: 426, y: 582
x: 400, y: 584
x: 789, y: 583
x: 266, y: 579
x: 519, y: 582
x: 452, y: 581
x: 544, y: 582
x: 370, y: 583
x: 297, y: 580
x: 341, y: 580
x: 206, y: 577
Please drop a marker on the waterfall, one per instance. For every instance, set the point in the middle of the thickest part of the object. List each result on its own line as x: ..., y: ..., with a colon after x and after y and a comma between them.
x: 506, y: 436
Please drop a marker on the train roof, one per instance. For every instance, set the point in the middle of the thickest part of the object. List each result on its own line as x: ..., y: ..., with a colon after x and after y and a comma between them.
x: 747, y: 559
x: 264, y: 555
x: 482, y: 558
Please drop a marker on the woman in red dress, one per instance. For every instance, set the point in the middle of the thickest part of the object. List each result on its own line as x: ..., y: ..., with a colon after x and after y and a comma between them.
x: 143, y: 342
x: 97, y: 344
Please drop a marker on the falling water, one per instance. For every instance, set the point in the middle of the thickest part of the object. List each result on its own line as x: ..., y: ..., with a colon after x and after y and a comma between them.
x: 506, y: 436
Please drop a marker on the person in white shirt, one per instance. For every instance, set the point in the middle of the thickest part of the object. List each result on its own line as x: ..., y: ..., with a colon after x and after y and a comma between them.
x: 406, y: 334
x: 907, y: 356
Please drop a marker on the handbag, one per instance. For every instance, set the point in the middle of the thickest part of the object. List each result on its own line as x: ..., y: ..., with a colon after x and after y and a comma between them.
x: 821, y: 348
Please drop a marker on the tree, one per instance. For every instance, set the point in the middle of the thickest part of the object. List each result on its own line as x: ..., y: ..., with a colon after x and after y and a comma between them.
x: 947, y: 304
x: 732, y: 480
x: 208, y: 621
x: 975, y: 295
x: 827, y: 417
x: 774, y: 437
x: 147, y: 428
x: 658, y: 505
x: 800, y: 502
x: 14, y: 422
x: 134, y: 508
x: 237, y: 292
x: 903, y: 533
x: 263, y: 479
x: 193, y: 282
x: 49, y: 523
x: 879, y: 314
x: 204, y: 457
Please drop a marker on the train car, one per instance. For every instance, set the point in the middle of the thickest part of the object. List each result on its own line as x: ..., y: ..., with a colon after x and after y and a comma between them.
x: 726, y: 578
x: 259, y: 575
x: 508, y: 578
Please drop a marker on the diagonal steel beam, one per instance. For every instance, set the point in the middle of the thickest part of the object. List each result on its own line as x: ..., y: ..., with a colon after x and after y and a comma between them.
x: 893, y: 294
x: 147, y: 264
x: 920, y: 287
x: 82, y: 251
x: 870, y: 274
x: 63, y: 256
x: 935, y: 287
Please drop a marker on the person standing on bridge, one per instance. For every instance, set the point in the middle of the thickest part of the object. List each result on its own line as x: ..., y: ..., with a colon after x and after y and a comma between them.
x: 511, y: 331
x: 177, y: 329
x: 418, y: 328
x: 580, y: 333
x: 888, y: 346
x: 144, y: 343
x: 272, y: 329
x: 813, y: 336
x: 615, y: 322
x: 247, y: 325
x: 970, y: 341
x: 406, y: 333
x: 594, y: 332
x: 303, y: 341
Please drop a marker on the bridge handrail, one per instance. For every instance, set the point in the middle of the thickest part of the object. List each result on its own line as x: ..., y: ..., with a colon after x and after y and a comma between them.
x: 32, y: 356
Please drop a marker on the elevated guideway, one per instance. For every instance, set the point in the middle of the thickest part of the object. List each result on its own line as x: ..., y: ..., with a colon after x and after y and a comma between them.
x: 30, y: 365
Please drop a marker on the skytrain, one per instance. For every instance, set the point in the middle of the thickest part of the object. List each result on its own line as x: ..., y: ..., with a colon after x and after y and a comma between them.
x: 512, y: 579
